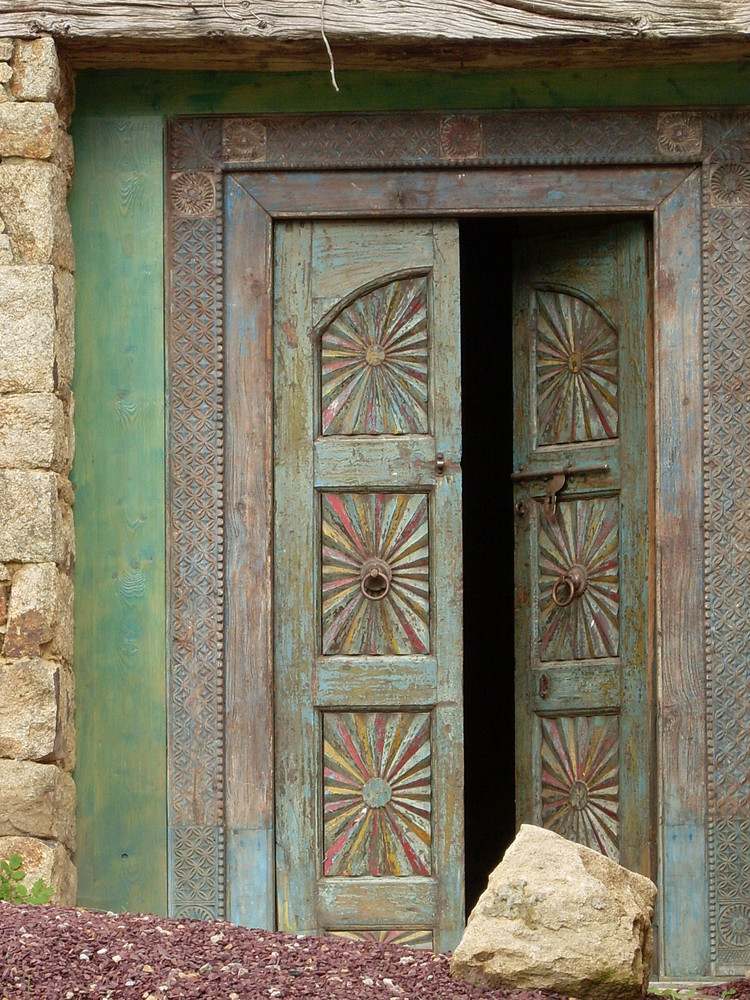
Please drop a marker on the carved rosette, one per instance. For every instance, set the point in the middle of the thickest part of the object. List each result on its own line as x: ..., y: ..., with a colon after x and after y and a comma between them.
x: 680, y: 132
x: 730, y: 184
x: 461, y: 137
x: 243, y: 140
x: 193, y: 193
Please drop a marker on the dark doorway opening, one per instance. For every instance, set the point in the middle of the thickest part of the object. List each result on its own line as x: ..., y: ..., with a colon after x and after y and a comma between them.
x: 487, y: 403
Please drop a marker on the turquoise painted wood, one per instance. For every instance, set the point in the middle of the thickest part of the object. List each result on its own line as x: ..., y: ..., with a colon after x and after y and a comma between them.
x: 583, y: 713
x: 120, y: 636
x: 367, y: 604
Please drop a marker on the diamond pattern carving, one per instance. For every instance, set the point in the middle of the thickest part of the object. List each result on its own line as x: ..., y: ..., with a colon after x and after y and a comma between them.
x: 196, y: 671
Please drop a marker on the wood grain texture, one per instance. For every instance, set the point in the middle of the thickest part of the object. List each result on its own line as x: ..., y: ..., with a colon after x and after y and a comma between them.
x: 680, y: 587
x: 248, y: 524
x: 120, y: 638
x: 298, y: 747
x: 368, y: 192
x: 519, y: 20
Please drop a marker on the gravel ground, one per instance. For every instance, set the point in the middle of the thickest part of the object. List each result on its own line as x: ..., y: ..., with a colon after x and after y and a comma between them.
x: 49, y: 953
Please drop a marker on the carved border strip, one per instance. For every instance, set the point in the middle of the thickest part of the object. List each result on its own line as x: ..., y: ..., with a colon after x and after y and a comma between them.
x: 195, y: 682
x: 200, y: 149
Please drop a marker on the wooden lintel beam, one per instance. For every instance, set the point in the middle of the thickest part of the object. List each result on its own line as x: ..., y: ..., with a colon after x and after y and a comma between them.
x: 392, y: 21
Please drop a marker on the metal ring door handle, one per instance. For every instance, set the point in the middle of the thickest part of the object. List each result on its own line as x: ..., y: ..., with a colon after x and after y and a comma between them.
x: 569, y: 586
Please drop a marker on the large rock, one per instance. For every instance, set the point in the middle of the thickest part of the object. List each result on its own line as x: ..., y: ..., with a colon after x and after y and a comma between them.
x: 558, y: 916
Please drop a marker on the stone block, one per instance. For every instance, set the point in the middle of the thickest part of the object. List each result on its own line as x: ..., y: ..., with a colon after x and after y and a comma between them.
x: 34, y: 526
x: 32, y: 206
x: 6, y: 49
x: 36, y: 711
x: 34, y: 432
x: 28, y: 328
x: 40, y: 612
x: 28, y: 130
x: 65, y: 292
x: 561, y: 917
x: 62, y: 156
x: 47, y: 860
x: 5, y: 72
x: 36, y: 71
x: 37, y: 800
x: 6, y: 253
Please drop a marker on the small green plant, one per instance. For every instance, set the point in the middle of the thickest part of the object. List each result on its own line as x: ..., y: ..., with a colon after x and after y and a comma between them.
x: 12, y: 889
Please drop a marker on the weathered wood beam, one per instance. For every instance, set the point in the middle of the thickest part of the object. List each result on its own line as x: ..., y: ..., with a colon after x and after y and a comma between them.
x: 371, y: 20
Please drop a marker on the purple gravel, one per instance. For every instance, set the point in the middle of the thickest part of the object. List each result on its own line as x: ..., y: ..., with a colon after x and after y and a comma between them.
x: 49, y: 953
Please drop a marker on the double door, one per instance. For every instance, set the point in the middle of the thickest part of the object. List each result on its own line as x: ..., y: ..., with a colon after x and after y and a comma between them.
x: 368, y: 564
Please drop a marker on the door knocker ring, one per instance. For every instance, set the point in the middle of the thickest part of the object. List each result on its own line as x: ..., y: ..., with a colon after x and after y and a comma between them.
x: 569, y: 585
x: 375, y: 579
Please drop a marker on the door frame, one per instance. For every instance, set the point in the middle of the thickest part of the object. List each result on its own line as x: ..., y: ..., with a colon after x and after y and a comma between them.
x: 228, y: 180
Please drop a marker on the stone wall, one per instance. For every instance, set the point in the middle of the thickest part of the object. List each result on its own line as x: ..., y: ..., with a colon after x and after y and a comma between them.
x: 37, y: 739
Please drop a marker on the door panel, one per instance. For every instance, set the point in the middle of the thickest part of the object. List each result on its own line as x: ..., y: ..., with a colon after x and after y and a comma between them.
x: 369, y: 786
x: 581, y: 493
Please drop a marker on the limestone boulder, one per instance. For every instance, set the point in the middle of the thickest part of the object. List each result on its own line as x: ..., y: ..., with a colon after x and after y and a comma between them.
x: 561, y: 917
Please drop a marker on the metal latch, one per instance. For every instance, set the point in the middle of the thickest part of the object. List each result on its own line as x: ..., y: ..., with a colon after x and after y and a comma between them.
x: 556, y: 479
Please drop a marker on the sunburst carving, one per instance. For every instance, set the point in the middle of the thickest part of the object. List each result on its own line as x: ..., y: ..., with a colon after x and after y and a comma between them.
x: 374, y: 362
x: 405, y: 938
x: 577, y: 371
x: 583, y: 534
x: 580, y: 780
x: 376, y: 793
x: 375, y: 570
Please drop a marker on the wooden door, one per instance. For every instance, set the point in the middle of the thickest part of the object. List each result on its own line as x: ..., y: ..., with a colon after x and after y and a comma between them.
x: 580, y: 341
x: 368, y: 715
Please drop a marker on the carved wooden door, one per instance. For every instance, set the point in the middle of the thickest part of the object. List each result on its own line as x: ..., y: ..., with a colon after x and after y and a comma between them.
x: 369, y: 782
x: 582, y: 513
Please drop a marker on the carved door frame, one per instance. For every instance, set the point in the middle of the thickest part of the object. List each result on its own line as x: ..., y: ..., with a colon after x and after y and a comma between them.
x: 688, y: 170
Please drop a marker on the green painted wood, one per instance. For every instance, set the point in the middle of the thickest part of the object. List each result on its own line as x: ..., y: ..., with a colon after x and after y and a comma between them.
x: 583, y: 704
x: 116, y: 210
x: 136, y: 91
x: 339, y: 699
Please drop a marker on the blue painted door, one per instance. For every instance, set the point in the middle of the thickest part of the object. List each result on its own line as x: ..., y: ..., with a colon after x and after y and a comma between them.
x: 368, y: 715
x: 583, y: 713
